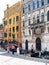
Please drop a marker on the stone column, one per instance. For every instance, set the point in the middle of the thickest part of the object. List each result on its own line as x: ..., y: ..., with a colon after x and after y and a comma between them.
x: 45, y: 37
x: 46, y: 29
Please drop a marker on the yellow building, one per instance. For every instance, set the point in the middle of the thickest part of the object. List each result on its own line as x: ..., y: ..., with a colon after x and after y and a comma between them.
x: 12, y: 22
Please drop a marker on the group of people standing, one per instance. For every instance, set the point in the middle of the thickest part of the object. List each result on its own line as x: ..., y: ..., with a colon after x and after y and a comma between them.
x: 12, y: 47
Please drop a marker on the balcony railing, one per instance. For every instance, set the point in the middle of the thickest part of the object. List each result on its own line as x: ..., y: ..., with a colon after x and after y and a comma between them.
x: 42, y: 23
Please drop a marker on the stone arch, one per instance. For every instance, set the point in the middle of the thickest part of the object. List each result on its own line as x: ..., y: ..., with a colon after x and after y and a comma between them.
x: 38, y: 43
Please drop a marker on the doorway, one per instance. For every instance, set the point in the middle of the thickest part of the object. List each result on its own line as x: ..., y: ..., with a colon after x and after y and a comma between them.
x: 26, y: 44
x: 38, y: 44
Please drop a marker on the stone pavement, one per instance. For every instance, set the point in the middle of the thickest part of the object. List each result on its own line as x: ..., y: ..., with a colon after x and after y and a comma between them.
x: 6, y: 60
x: 9, y: 59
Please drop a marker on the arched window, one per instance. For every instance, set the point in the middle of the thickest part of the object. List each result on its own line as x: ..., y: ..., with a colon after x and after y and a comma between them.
x: 48, y: 16
x: 33, y: 19
x: 38, y: 19
x: 29, y: 32
x: 42, y: 17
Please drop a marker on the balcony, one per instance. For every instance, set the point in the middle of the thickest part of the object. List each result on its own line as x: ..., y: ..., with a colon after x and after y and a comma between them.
x: 37, y: 24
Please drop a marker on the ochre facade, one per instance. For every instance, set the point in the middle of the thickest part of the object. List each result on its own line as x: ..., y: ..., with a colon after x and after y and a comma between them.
x: 12, y: 22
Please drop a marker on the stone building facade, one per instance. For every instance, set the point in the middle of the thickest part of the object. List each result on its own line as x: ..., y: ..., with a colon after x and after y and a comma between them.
x: 35, y: 24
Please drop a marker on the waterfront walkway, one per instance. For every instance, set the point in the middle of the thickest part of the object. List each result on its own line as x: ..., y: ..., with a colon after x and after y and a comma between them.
x: 9, y: 59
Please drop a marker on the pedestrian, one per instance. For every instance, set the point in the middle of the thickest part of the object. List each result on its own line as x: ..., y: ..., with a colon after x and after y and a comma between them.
x: 18, y: 51
x: 8, y: 49
x: 13, y: 48
x: 32, y: 51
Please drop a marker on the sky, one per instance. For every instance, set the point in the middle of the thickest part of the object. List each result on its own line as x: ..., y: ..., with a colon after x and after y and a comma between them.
x: 3, y: 6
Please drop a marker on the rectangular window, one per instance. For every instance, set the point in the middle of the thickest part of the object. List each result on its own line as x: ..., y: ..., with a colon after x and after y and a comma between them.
x: 17, y: 28
x: 23, y: 23
x: 5, y: 34
x: 5, y: 23
x: 37, y: 3
x: 10, y: 34
x: 17, y: 18
x: 13, y: 29
x: 17, y: 7
x: 42, y: 2
x: 9, y: 21
x: 10, y: 29
x: 38, y: 21
x: 28, y: 7
x: 33, y: 5
x: 13, y: 35
x: 47, y: 1
x: 23, y: 10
